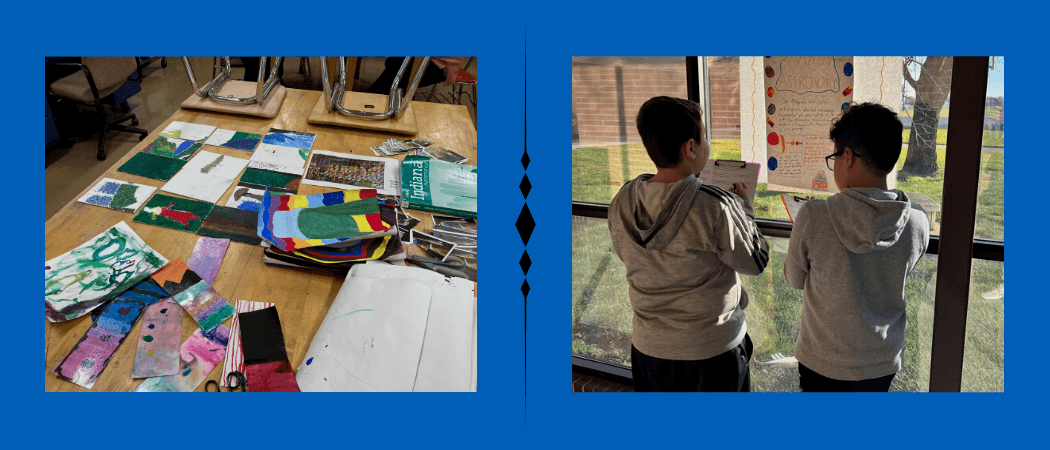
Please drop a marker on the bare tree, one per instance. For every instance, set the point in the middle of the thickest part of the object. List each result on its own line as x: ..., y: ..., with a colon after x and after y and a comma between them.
x: 932, y: 87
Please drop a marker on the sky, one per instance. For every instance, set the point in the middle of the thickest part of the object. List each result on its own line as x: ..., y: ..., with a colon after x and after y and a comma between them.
x: 996, y: 77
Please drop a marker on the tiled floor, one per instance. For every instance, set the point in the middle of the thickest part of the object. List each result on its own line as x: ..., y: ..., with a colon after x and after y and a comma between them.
x: 68, y: 171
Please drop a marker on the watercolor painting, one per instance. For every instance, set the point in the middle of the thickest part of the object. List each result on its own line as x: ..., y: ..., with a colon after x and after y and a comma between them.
x: 248, y: 196
x: 290, y: 157
x: 234, y: 357
x: 234, y: 139
x: 345, y: 171
x: 118, y: 195
x: 195, y: 295
x: 175, y: 213
x: 157, y: 353
x: 173, y: 148
x: 232, y: 224
x: 95, y: 272
x: 292, y: 222
x: 270, y: 178
x: 206, y: 177
x: 91, y: 354
x: 286, y: 138
x: 265, y: 358
x: 199, y: 355
x: 207, y: 255
x: 152, y: 166
x: 188, y: 131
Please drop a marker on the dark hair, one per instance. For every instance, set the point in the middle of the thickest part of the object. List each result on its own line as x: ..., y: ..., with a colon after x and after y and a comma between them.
x: 664, y: 123
x: 873, y: 132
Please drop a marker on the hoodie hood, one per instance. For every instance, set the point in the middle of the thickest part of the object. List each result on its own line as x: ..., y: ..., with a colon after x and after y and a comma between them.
x: 868, y: 219
x: 653, y: 230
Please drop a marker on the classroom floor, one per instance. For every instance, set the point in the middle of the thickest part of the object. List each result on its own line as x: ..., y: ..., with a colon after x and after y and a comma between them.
x: 68, y: 171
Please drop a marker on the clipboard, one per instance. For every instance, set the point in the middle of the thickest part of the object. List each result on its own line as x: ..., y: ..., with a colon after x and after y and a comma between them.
x: 724, y: 172
x: 793, y: 203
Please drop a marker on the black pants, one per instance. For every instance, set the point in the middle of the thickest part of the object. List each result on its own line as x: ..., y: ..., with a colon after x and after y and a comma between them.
x: 811, y: 381
x: 728, y: 372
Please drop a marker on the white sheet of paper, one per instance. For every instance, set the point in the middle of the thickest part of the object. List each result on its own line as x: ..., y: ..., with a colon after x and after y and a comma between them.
x: 188, y: 131
x: 724, y: 173
x: 206, y: 177
x: 391, y: 184
x: 446, y: 363
x: 371, y: 339
x: 275, y: 167
x: 282, y: 156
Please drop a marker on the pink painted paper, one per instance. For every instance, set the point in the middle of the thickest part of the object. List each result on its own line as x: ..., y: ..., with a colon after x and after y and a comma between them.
x: 207, y: 257
x: 235, y: 357
x: 200, y: 355
x: 158, y: 345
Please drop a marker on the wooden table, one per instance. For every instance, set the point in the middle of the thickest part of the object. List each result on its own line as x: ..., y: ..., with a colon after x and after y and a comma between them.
x: 302, y: 298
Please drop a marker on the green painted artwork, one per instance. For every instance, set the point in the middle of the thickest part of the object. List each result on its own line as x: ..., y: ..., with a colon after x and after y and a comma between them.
x: 173, y: 148
x: 97, y: 271
x: 175, y: 213
x: 152, y: 166
x: 271, y: 178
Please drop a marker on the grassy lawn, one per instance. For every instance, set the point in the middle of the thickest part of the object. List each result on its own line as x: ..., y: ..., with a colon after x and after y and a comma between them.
x: 602, y: 313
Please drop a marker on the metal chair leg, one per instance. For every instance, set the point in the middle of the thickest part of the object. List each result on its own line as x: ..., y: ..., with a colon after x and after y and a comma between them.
x: 432, y: 91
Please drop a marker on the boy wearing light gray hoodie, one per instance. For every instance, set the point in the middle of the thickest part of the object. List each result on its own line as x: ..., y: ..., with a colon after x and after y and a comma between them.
x: 851, y: 255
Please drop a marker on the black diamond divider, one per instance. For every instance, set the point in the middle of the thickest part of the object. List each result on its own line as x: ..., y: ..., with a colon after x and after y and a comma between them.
x: 525, y: 289
x: 525, y: 186
x: 525, y: 262
x: 525, y: 224
x: 525, y: 160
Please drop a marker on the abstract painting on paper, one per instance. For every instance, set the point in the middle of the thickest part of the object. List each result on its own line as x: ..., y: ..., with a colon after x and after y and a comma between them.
x: 106, y: 265
x: 292, y: 222
x: 232, y: 224
x: 89, y: 357
x: 173, y: 148
x: 270, y: 178
x: 118, y: 195
x: 345, y: 171
x: 234, y: 139
x: 290, y: 157
x: 234, y: 358
x: 194, y: 294
x: 206, y: 177
x: 199, y: 354
x: 188, y: 131
x: 157, y: 354
x: 285, y: 138
x: 175, y: 213
x: 207, y: 256
x: 152, y: 166
x: 265, y: 358
x: 248, y: 196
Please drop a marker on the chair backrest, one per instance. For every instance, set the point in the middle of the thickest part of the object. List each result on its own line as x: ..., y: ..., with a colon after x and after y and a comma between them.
x: 109, y: 71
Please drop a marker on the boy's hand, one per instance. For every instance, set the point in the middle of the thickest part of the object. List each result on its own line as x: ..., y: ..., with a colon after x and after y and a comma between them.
x: 741, y: 190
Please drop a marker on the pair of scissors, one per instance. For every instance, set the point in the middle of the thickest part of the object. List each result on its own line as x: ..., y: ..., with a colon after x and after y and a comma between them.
x: 242, y: 382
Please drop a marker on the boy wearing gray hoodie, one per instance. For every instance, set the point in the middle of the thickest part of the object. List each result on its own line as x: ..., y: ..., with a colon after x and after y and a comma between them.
x: 683, y: 243
x: 851, y: 254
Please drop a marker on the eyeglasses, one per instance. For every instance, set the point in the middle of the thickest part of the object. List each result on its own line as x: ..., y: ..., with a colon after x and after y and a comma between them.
x: 828, y: 159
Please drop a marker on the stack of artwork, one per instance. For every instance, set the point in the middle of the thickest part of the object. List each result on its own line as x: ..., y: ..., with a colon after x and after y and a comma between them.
x: 194, y: 294
x: 292, y: 222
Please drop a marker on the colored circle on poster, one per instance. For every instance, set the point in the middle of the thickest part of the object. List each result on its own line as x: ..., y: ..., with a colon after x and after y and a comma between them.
x: 148, y: 338
x: 845, y: 106
x: 848, y: 69
x: 847, y: 91
x: 772, y: 109
x: 770, y: 92
x: 773, y: 139
x: 769, y: 72
x: 152, y: 326
x: 772, y: 163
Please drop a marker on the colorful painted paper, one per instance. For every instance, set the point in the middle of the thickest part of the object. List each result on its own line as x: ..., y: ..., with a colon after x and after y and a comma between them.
x: 188, y: 131
x: 234, y: 357
x: 292, y: 222
x: 118, y: 195
x: 199, y: 354
x: 207, y: 256
x: 152, y: 166
x: 248, y: 196
x: 271, y: 178
x: 345, y: 171
x: 157, y: 354
x: 234, y: 139
x: 206, y: 177
x: 232, y: 224
x: 89, y: 357
x: 106, y: 265
x: 291, y: 157
x: 175, y: 213
x: 287, y: 138
x: 173, y: 148
x: 265, y: 358
x: 194, y: 294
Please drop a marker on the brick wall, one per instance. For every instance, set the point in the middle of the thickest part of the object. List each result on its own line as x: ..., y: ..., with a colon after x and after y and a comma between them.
x: 596, y: 118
